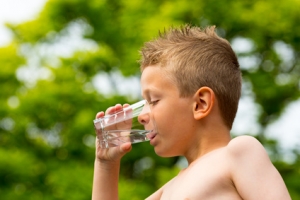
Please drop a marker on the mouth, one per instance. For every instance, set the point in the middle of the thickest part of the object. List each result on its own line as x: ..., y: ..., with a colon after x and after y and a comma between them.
x: 151, y: 135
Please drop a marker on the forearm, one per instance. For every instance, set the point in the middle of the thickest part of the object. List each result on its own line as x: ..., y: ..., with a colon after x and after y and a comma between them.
x: 105, y: 183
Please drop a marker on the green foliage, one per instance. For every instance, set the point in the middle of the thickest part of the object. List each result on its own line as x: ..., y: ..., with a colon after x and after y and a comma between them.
x: 46, y: 131
x: 291, y: 175
x: 133, y: 190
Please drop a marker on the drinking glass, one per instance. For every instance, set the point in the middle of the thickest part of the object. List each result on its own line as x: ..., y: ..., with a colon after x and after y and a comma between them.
x: 133, y: 124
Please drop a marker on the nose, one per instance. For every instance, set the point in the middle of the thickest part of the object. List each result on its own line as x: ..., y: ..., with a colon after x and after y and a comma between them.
x: 144, y: 118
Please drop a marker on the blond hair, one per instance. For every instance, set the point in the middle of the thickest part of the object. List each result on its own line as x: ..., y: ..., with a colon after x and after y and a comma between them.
x: 197, y: 58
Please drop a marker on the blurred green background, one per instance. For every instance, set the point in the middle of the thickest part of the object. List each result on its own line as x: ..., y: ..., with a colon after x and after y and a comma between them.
x: 79, y: 57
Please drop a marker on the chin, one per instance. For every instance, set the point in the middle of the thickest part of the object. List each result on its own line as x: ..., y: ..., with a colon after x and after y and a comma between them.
x: 164, y: 153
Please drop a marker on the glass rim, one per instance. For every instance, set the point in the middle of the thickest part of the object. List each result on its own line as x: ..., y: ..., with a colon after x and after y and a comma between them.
x: 132, y: 106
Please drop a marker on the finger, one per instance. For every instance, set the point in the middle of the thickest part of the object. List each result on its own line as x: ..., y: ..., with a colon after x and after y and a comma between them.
x: 125, y: 105
x: 110, y: 110
x: 127, y: 109
x: 119, y: 117
x: 99, y: 114
x: 118, y: 107
x: 125, y: 148
x: 128, y: 115
x: 113, y: 109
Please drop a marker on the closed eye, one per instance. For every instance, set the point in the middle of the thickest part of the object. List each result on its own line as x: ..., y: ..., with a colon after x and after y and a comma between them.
x: 153, y: 102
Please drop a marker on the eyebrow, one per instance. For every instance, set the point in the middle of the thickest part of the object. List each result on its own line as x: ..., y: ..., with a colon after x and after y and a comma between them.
x: 147, y: 91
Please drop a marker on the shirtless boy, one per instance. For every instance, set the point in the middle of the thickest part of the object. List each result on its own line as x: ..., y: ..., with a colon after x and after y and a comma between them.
x: 192, y: 81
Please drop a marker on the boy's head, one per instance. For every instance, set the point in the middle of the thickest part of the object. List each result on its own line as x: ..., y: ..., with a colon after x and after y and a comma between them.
x: 196, y: 58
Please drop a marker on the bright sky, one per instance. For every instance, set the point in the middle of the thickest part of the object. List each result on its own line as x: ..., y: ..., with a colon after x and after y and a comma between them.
x: 287, y: 129
x: 16, y: 11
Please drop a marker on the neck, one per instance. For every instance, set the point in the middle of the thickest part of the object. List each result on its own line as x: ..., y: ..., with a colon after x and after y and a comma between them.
x: 206, y: 142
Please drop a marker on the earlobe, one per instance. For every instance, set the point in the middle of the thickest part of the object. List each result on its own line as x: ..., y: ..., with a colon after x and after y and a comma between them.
x: 203, y: 102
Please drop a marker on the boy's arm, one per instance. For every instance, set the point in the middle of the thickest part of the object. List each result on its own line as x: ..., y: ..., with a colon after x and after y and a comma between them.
x: 107, y: 166
x: 253, y: 173
x: 105, y: 182
x: 106, y: 173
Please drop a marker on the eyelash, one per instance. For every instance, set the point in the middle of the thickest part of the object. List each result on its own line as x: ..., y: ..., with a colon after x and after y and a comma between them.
x: 153, y: 102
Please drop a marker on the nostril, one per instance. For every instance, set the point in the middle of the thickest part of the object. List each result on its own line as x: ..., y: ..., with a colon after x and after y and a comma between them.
x: 143, y: 119
x: 140, y: 119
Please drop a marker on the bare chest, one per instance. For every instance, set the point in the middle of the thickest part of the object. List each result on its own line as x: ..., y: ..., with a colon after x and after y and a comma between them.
x: 203, y: 181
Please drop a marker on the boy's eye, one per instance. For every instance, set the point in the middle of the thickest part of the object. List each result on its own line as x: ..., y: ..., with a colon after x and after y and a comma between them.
x: 153, y: 102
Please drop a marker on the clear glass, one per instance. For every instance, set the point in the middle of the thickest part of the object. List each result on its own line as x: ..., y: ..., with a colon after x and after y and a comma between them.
x: 133, y: 124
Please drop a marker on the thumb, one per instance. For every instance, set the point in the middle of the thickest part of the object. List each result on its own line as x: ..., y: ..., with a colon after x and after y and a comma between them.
x: 125, y: 148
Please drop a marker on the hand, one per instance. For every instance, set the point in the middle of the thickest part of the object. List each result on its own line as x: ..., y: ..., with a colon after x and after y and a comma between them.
x: 114, y: 153
x: 119, y: 120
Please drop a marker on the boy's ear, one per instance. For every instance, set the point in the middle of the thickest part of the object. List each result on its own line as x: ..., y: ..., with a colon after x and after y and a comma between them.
x: 204, y: 100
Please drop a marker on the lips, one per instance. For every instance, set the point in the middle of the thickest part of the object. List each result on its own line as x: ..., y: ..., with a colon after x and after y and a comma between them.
x: 151, y: 135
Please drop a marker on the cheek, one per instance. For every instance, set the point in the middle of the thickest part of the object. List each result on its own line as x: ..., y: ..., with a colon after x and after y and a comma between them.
x: 177, y: 119
x: 170, y: 117
x: 167, y: 120
x: 162, y: 117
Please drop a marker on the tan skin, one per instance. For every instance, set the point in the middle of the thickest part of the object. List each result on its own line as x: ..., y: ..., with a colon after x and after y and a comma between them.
x: 219, y: 167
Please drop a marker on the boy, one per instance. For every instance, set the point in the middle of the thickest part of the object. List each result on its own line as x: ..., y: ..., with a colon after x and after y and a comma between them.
x: 192, y: 81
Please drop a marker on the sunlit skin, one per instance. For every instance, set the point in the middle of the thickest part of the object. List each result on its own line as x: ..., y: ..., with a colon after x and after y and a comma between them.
x: 179, y: 133
x: 219, y: 167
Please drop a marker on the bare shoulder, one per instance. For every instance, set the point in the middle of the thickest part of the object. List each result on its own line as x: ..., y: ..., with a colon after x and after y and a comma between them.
x: 247, y: 154
x: 243, y: 143
x: 252, y: 171
x: 246, y: 146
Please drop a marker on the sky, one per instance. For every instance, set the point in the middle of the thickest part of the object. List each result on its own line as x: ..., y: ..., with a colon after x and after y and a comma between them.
x: 16, y: 11
x: 286, y: 129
